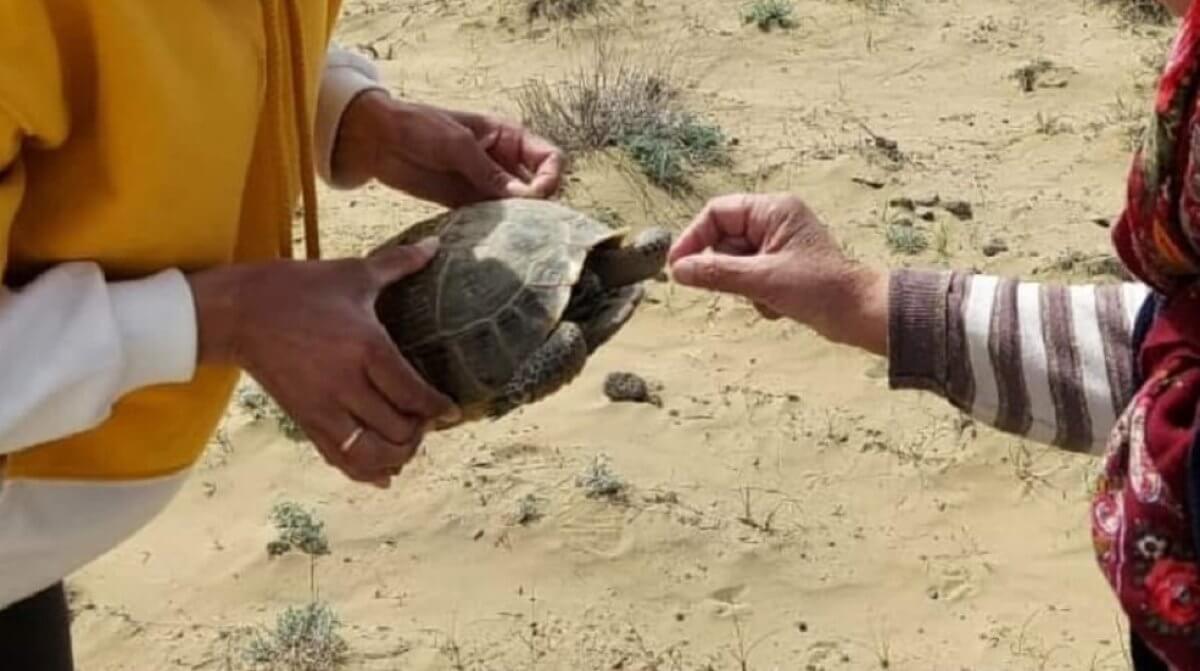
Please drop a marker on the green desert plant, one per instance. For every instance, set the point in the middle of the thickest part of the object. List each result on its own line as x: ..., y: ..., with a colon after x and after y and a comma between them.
x: 261, y: 406
x: 304, y: 638
x: 906, y: 239
x: 768, y: 14
x: 668, y: 149
x: 599, y: 481
x: 298, y: 530
x: 529, y: 510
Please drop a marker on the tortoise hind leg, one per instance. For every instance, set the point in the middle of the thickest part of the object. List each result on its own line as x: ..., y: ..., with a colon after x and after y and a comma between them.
x: 547, y: 370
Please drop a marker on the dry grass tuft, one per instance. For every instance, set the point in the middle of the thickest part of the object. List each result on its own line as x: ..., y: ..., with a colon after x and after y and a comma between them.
x: 561, y: 10
x: 617, y: 102
x: 1140, y: 11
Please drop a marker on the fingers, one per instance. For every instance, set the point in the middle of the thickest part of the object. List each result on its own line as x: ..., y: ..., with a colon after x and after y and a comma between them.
x: 534, y: 159
x: 403, y: 387
x: 485, y: 173
x: 376, y: 413
x: 393, y: 262
x: 377, y: 460
x: 364, y: 455
x: 722, y: 217
x: 547, y: 178
x: 744, y: 275
x: 735, y: 246
x: 370, y: 435
x: 757, y: 222
x: 545, y: 160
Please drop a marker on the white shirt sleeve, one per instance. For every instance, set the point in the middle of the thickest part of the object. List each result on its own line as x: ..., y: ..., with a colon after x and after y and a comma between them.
x: 347, y: 74
x: 71, y: 344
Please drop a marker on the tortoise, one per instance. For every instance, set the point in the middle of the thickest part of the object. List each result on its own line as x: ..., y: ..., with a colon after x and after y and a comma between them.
x: 518, y: 296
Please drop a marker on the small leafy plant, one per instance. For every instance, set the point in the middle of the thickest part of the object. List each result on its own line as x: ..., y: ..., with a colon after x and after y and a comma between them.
x: 298, y: 530
x: 261, y: 406
x: 599, y: 481
x: 669, y: 149
x: 768, y: 14
x: 304, y: 638
x: 529, y: 510
x: 906, y: 239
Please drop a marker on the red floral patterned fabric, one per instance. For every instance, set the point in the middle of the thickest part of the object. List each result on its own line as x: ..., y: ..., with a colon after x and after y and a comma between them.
x: 1141, y: 510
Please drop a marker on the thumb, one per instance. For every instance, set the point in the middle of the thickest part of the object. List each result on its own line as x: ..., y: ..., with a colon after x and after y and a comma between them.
x: 744, y: 275
x: 396, y: 261
x: 489, y: 177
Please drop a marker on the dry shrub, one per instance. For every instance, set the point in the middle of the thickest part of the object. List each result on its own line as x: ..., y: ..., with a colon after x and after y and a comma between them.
x: 599, y: 102
x: 1140, y: 11
x: 616, y: 101
x: 561, y: 10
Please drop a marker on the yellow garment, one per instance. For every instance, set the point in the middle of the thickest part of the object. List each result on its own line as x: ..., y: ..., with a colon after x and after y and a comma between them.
x: 147, y: 135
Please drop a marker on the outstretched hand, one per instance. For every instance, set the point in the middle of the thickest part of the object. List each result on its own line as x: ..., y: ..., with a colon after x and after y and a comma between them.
x: 772, y: 250
x: 445, y: 156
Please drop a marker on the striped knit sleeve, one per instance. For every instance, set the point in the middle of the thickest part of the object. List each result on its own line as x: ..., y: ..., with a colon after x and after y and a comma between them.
x: 1045, y: 361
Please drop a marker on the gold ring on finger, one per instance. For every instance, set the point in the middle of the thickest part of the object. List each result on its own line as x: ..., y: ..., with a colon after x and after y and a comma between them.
x: 351, y: 439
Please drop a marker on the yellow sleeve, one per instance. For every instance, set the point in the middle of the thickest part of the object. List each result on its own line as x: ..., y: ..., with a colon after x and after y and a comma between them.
x: 33, y: 115
x: 71, y: 343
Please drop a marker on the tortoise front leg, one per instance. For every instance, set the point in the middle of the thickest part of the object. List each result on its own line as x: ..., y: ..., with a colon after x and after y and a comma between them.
x: 547, y: 370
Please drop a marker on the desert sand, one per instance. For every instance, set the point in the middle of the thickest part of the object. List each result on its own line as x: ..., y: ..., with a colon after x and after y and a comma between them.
x: 782, y: 508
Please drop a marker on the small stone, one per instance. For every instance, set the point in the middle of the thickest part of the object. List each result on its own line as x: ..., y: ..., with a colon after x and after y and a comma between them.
x: 959, y: 208
x: 994, y: 248
x: 627, y: 387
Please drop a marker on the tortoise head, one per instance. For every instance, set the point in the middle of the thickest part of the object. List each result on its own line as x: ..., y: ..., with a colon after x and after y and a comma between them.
x: 623, y: 265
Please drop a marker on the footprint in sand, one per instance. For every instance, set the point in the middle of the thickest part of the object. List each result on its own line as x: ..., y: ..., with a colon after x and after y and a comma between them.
x: 954, y: 583
x: 594, y: 527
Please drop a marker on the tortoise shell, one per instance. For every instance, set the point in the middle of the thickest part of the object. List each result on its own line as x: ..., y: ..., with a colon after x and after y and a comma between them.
x: 496, y: 289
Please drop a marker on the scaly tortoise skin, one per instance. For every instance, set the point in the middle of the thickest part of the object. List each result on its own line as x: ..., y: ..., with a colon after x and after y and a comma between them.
x: 517, y: 297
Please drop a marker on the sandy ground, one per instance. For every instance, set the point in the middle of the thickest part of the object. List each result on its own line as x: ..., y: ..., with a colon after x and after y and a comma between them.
x: 783, y: 509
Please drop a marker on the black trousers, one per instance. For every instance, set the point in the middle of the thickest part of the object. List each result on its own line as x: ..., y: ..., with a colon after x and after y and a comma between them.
x: 35, y: 633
